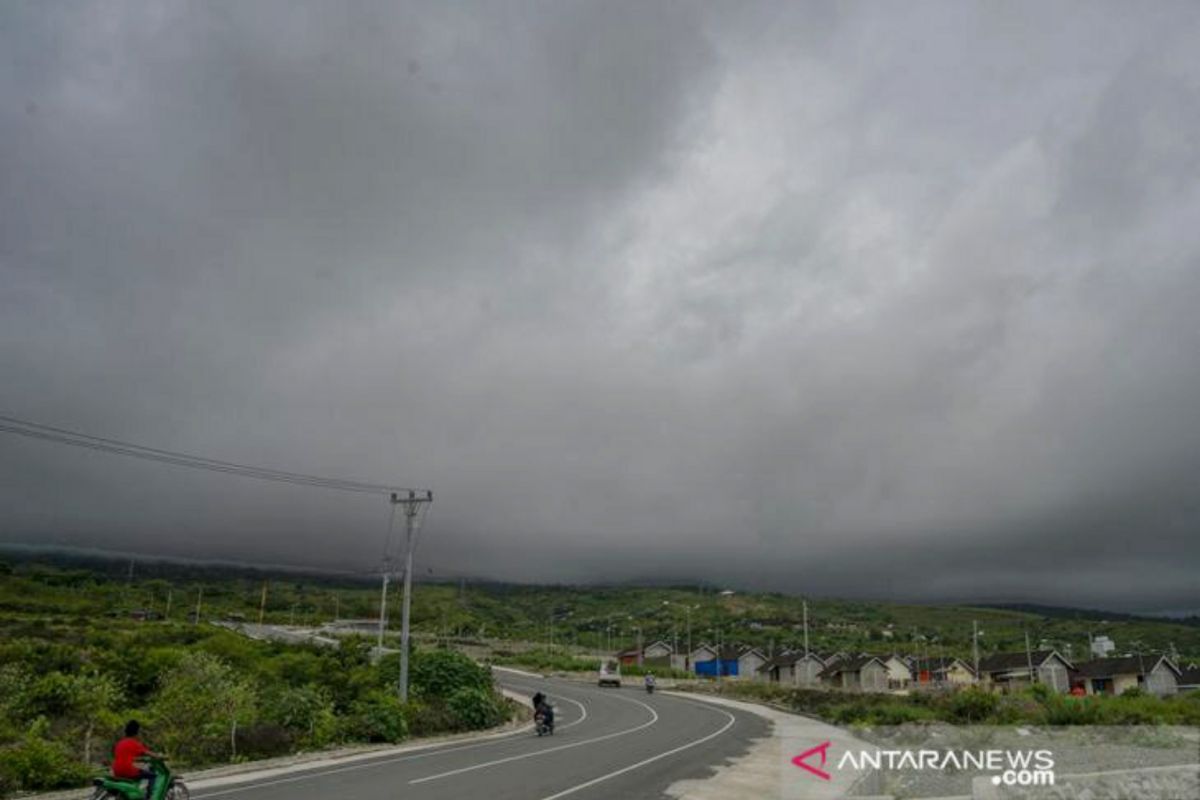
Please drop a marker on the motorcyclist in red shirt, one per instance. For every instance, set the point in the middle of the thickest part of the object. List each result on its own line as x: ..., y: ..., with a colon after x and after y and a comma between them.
x: 127, y: 751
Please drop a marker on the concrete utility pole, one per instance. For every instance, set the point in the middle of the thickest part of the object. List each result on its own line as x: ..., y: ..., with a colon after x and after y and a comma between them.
x: 975, y: 644
x: 720, y: 657
x: 412, y: 509
x: 385, y: 577
x: 382, y: 609
x: 805, y: 607
x: 262, y: 604
x: 688, y: 660
x: 199, y: 600
x: 167, y: 613
x: 1029, y: 659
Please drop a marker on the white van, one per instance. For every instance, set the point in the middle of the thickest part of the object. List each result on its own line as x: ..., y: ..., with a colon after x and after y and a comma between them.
x: 610, y: 673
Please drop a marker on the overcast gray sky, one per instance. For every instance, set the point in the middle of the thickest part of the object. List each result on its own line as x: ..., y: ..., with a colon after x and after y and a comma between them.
x: 879, y: 299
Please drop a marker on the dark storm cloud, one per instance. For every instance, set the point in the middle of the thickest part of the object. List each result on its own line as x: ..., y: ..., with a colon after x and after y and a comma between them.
x: 850, y: 299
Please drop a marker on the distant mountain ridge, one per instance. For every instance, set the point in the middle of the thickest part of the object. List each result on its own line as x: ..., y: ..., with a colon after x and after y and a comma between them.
x: 1067, y: 612
x: 116, y: 562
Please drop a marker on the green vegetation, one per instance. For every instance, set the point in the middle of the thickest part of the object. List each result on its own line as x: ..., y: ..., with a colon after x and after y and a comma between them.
x: 1035, y: 706
x: 73, y: 673
x: 573, y: 619
x: 85, y: 645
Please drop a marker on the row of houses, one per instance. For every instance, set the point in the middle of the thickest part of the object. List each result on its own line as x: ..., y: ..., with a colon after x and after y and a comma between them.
x: 729, y: 661
x: 1001, y: 672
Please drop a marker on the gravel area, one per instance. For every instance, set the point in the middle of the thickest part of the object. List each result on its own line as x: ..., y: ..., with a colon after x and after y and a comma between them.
x: 1076, y: 750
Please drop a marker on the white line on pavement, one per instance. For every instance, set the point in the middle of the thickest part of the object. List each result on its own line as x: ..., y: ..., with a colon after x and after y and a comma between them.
x: 583, y: 714
x: 429, y: 751
x: 650, y: 760
x: 484, y: 765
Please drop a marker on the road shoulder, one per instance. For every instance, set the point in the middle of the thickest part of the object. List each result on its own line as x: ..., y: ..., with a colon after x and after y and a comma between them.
x: 764, y: 771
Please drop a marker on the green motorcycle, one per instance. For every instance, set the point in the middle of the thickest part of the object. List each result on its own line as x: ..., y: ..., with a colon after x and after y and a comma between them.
x: 166, y: 786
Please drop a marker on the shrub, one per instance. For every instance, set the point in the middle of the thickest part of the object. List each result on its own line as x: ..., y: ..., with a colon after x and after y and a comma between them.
x: 305, y: 711
x: 428, y: 718
x: 264, y: 740
x: 847, y: 714
x: 972, y: 705
x: 1015, y: 708
x: 441, y: 673
x: 1186, y: 708
x: 1041, y: 692
x: 39, y: 763
x: 475, y: 708
x: 199, y: 708
x: 16, y: 683
x: 299, y: 668
x: 378, y: 717
x: 898, y: 714
x: 1061, y: 710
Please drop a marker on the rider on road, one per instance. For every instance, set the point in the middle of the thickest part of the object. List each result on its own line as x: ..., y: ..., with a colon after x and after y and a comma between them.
x: 542, y: 706
x: 127, y: 751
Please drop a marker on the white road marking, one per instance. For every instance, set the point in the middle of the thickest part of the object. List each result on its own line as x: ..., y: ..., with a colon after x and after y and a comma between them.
x: 582, y: 710
x: 582, y: 713
x: 431, y: 750
x: 535, y: 753
x: 250, y: 784
x: 650, y: 760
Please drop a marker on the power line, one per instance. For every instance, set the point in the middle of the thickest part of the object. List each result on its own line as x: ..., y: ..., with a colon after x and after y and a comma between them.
x: 48, y: 433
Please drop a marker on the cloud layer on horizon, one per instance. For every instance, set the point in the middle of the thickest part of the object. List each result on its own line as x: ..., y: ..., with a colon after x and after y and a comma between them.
x: 895, y: 301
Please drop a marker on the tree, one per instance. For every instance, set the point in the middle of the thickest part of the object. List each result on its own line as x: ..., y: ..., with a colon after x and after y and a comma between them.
x: 15, y: 707
x: 304, y: 710
x: 81, y: 702
x: 199, y: 706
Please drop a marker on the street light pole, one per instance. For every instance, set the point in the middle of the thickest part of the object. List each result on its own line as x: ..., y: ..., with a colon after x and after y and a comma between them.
x: 412, y: 509
x: 688, y: 661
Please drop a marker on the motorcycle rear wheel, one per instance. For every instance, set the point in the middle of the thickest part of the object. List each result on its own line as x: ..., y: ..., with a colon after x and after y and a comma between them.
x: 178, y: 791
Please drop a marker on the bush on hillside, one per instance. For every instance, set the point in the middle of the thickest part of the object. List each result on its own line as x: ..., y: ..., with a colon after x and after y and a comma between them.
x: 197, y: 711
x: 37, y: 762
x: 438, y: 674
x: 475, y: 708
x: 264, y: 740
x: 972, y: 705
x: 378, y: 717
x: 306, y: 712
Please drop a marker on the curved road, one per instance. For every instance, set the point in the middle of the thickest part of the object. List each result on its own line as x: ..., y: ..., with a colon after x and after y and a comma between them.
x: 608, y: 743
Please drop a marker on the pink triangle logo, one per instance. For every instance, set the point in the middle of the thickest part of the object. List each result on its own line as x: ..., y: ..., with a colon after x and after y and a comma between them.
x: 801, y: 761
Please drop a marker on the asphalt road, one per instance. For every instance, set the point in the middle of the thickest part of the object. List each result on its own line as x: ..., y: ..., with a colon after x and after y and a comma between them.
x: 608, y: 743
